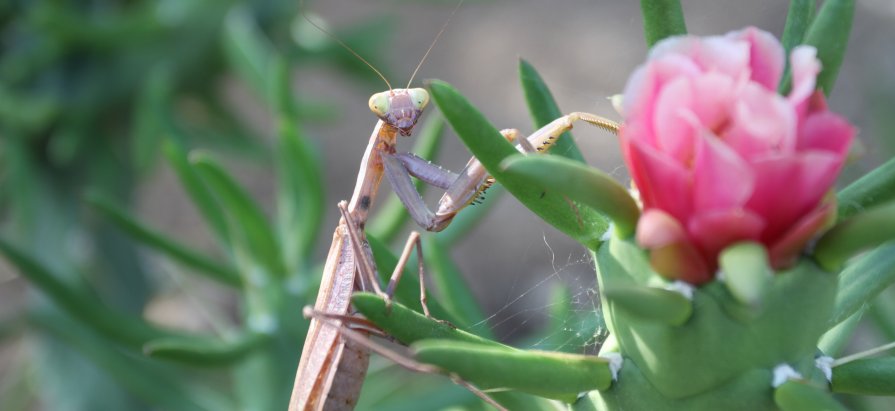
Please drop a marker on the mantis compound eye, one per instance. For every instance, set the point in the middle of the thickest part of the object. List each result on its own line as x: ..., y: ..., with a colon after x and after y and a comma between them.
x: 420, y: 97
x: 379, y: 104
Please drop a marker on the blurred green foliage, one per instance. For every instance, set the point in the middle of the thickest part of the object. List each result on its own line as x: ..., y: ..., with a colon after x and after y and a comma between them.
x: 90, y: 93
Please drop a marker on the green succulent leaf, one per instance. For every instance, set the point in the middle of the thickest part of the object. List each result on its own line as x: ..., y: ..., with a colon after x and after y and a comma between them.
x: 251, y: 229
x: 550, y: 374
x: 300, y: 195
x: 581, y: 183
x: 249, y: 51
x: 661, y: 19
x: 834, y: 340
x: 801, y: 396
x: 178, y: 252
x: 407, y: 325
x: 861, y: 232
x: 119, y: 327
x: 798, y: 18
x: 204, y: 351
x: 491, y: 148
x: 873, y: 189
x: 747, y: 273
x: 862, y: 280
x: 869, y: 376
x: 650, y: 303
x: 200, y: 195
x: 148, y: 380
x: 543, y: 109
x: 829, y: 33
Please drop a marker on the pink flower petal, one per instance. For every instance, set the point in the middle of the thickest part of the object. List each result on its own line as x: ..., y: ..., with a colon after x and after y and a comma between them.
x: 784, y: 252
x: 713, y: 231
x: 646, y: 82
x: 721, y: 178
x: 762, y: 122
x: 715, y: 53
x: 826, y: 131
x: 766, y: 56
x: 805, y: 67
x: 674, y: 131
x: 672, y: 254
x: 659, y: 178
x: 787, y: 187
x: 717, y: 95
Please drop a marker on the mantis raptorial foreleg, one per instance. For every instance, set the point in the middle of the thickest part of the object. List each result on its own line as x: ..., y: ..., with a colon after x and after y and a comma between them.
x: 463, y: 188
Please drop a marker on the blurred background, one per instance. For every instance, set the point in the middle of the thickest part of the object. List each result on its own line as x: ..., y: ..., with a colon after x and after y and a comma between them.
x: 100, y: 98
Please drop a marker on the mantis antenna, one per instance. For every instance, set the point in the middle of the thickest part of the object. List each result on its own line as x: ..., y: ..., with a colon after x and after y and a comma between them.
x: 301, y: 6
x: 437, y: 36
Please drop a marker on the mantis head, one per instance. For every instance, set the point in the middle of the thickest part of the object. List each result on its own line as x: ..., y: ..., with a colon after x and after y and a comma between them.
x: 400, y: 108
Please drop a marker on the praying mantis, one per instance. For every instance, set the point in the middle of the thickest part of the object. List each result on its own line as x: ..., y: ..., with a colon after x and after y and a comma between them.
x: 334, y: 358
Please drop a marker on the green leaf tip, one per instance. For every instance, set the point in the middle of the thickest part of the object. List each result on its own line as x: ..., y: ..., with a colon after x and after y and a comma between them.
x: 829, y: 34
x: 800, y: 396
x: 661, y: 19
x: 406, y: 325
x: 848, y: 238
x: 869, y: 376
x: 747, y: 273
x: 651, y: 304
x: 204, y: 265
x: 543, y: 110
x: 581, y: 183
x: 555, y: 375
x: 202, y: 351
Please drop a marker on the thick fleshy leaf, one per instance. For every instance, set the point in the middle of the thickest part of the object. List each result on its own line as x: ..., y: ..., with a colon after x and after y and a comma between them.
x: 836, y: 338
x: 869, y: 376
x: 204, y: 351
x: 543, y: 109
x: 491, y: 148
x: 558, y: 375
x: 861, y: 232
x: 874, y: 188
x: 651, y: 304
x: 250, y: 51
x: 661, y: 19
x: 178, y: 252
x: 798, y: 18
x: 114, y: 325
x: 581, y: 183
x: 145, y: 378
x: 829, y: 33
x: 198, y: 192
x: 393, y: 214
x: 409, y: 326
x: 862, y: 280
x: 250, y: 228
x: 802, y: 396
x: 300, y: 194
x: 747, y: 273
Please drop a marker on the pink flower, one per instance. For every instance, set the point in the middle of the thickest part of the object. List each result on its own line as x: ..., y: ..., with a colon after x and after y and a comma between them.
x: 719, y: 157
